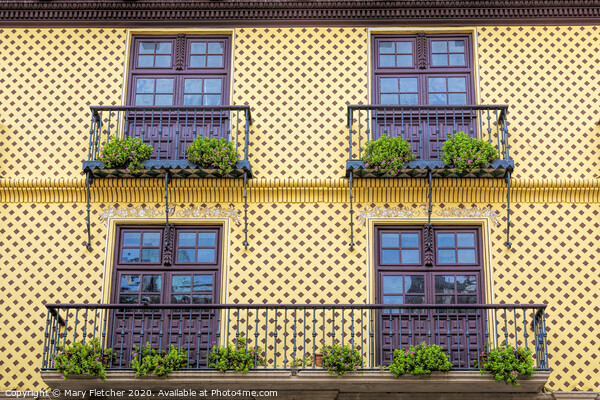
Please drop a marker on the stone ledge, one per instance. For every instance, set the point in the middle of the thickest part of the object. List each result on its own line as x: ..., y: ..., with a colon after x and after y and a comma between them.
x: 576, y: 395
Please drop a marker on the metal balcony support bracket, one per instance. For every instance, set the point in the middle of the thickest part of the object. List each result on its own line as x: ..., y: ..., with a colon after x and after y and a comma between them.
x: 168, y: 225
x: 246, y: 210
x: 351, y: 214
x: 88, y: 181
x: 429, y: 210
x: 508, y: 243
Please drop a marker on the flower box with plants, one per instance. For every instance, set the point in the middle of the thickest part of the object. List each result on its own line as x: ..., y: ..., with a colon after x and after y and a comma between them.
x: 216, y: 154
x: 465, y: 154
x: 507, y: 364
x: 387, y: 155
x: 238, y: 356
x: 83, y: 359
x: 127, y: 153
x: 338, y: 359
x: 419, y: 360
x: 158, y: 363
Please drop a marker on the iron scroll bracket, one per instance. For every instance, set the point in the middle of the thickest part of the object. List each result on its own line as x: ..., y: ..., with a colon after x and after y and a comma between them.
x: 351, y: 215
x: 168, y: 225
x: 88, y: 181
x: 246, y: 210
x: 508, y: 243
x: 429, y: 210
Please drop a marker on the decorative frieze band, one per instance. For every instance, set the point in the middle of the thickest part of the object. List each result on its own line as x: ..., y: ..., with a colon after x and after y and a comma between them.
x: 363, y: 215
x: 174, y: 212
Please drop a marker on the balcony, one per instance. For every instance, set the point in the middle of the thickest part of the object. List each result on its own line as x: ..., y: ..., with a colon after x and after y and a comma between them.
x: 426, y: 128
x: 280, y: 335
x: 169, y: 130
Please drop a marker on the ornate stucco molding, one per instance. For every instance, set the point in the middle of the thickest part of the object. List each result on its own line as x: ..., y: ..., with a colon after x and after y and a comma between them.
x: 174, y: 212
x: 421, y: 211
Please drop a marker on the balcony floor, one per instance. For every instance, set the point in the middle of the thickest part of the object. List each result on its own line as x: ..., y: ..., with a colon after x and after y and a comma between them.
x: 158, y: 169
x: 419, y: 168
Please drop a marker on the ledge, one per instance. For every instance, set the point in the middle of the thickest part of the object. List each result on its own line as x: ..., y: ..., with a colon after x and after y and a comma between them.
x: 368, y: 382
x: 158, y: 169
x: 419, y: 169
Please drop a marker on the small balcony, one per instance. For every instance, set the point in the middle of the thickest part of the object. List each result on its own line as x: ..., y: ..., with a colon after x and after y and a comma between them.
x: 426, y: 128
x: 281, y: 335
x: 169, y: 130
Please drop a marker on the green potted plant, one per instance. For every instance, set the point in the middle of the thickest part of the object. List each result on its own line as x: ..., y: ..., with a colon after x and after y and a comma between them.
x: 387, y: 154
x: 235, y: 356
x: 338, y: 359
x: 149, y: 361
x: 420, y: 360
x: 465, y: 154
x: 213, y: 154
x: 507, y: 364
x: 125, y: 153
x: 83, y: 359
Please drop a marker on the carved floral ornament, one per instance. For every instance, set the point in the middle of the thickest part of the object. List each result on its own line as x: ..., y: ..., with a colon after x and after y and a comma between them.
x: 405, y: 212
x: 174, y: 212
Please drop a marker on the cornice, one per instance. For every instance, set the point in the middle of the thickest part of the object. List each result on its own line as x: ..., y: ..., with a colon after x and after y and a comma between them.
x: 231, y: 12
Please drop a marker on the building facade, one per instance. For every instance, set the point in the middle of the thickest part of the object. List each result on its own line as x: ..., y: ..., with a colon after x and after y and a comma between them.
x: 301, y: 220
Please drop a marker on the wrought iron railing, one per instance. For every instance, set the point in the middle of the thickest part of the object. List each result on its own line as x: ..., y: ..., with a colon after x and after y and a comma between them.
x: 169, y: 129
x: 280, y: 335
x: 427, y: 127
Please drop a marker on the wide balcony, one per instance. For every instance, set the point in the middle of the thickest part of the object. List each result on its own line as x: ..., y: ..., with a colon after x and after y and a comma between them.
x: 281, y: 336
x: 426, y: 128
x: 169, y: 130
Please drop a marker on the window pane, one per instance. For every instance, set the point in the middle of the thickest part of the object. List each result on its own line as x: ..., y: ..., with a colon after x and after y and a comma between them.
x: 145, y: 61
x: 410, y: 256
x: 386, y: 47
x: 163, y: 100
x: 131, y: 238
x: 151, y: 239
x: 408, y: 85
x: 465, y: 239
x: 144, y: 100
x: 146, y: 47
x: 409, y: 99
x: 130, y: 255
x: 437, y: 85
x: 212, y: 86
x: 390, y: 256
x: 130, y: 283
x: 144, y: 86
x: 457, y: 59
x: 192, y: 86
x: 150, y: 255
x: 466, y: 256
x: 163, y: 48
x: 388, y: 85
x: 203, y: 283
x: 455, y: 98
x: 414, y: 284
x: 439, y: 46
x: 151, y: 283
x: 415, y: 299
x: 162, y: 61
x: 187, y: 239
x: 214, y: 61
x: 186, y: 255
x: 466, y: 284
x: 410, y: 240
x: 387, y: 61
x: 128, y: 299
x: 437, y: 99
x: 456, y: 46
x: 457, y: 84
x: 212, y: 100
x: 180, y: 299
x: 393, y: 300
x: 153, y: 298
x: 164, y: 86
x: 206, y: 239
x: 390, y: 240
x: 206, y: 255
x: 467, y: 300
x: 444, y: 284
x: 404, y: 47
x: 444, y: 300
x: 215, y: 48
x: 198, y: 48
x: 202, y: 299
x: 389, y: 99
x: 445, y: 239
x: 392, y: 284
x: 439, y: 60
x: 181, y: 283
x: 447, y: 256
x: 404, y: 60
x: 192, y: 100
x: 198, y: 61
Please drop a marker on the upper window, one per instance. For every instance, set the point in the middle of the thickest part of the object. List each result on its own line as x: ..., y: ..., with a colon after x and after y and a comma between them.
x: 423, y: 70
x: 179, y: 70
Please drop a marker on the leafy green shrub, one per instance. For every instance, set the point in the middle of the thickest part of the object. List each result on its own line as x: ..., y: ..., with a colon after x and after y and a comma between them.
x: 506, y: 364
x: 213, y: 154
x: 465, y: 153
x: 234, y: 357
x: 420, y: 360
x: 160, y: 363
x: 387, y: 154
x: 340, y: 359
x: 307, y: 361
x: 125, y: 153
x: 83, y: 359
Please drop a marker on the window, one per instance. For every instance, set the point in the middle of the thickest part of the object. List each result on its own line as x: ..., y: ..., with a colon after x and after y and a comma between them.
x: 423, y: 70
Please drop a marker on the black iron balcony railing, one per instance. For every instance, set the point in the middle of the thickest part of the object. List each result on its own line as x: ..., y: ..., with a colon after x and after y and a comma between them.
x: 280, y: 335
x: 426, y: 128
x: 169, y: 130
